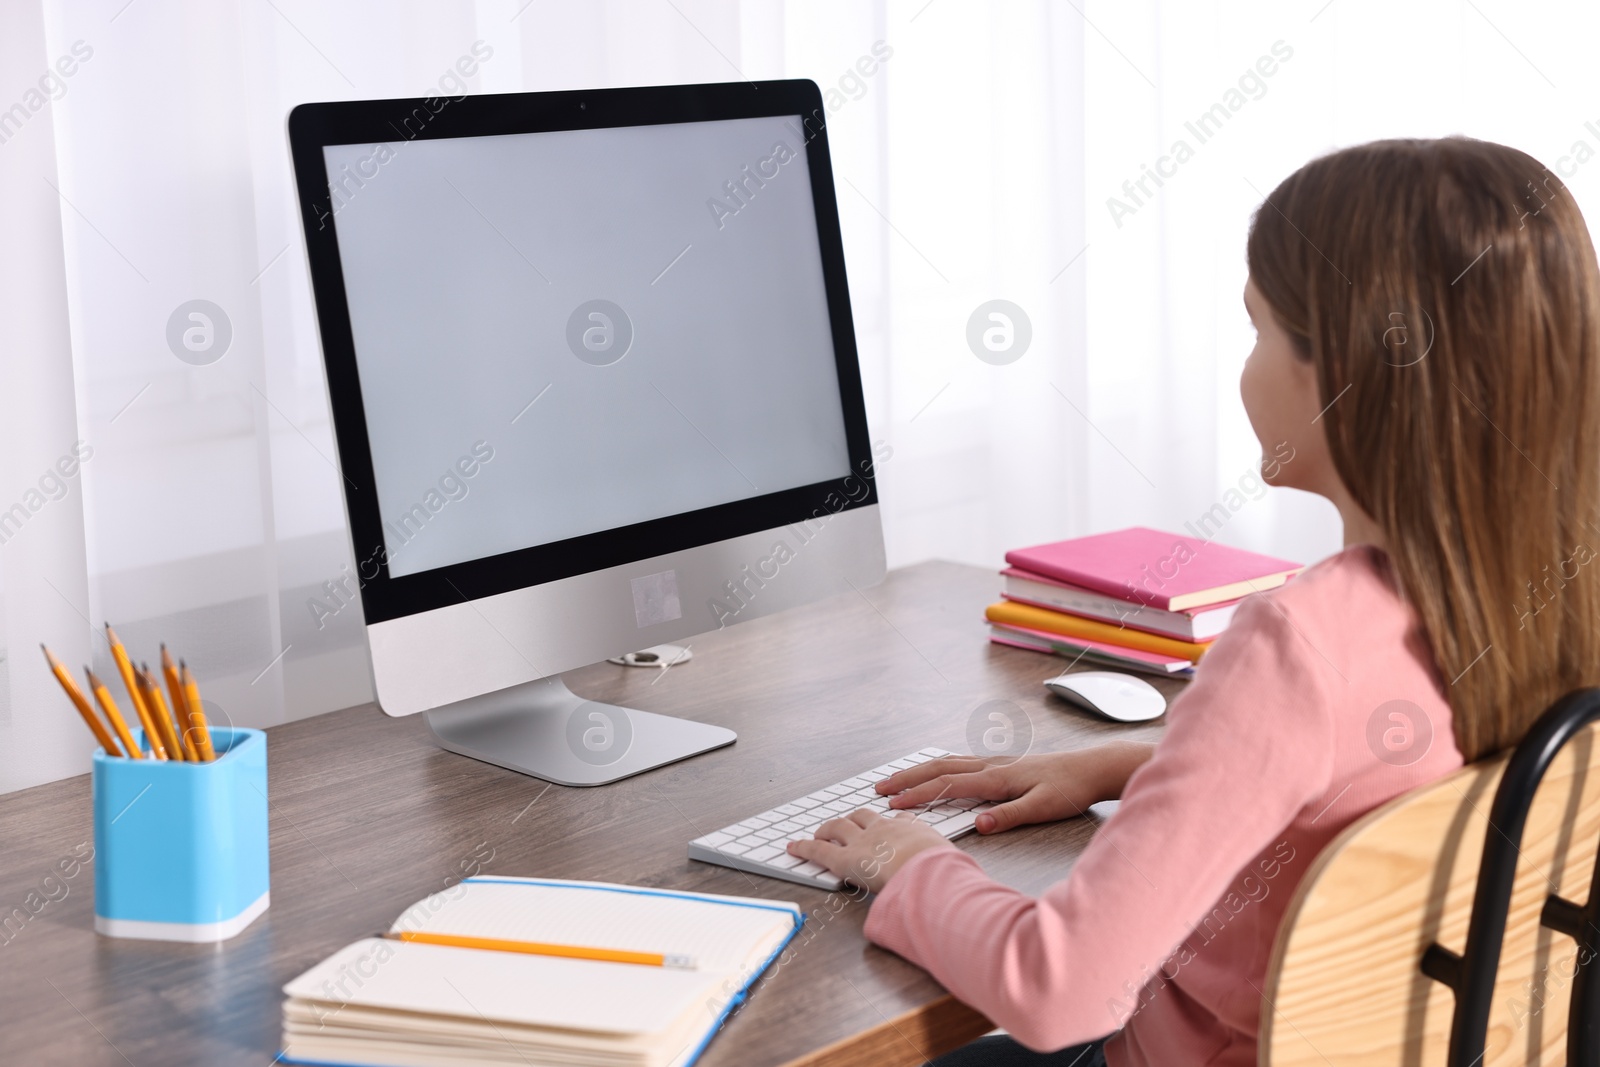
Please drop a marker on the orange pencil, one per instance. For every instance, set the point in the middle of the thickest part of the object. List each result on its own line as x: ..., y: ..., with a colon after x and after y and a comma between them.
x: 158, y: 747
x: 119, y: 655
x: 180, y: 704
x: 102, y: 696
x: 98, y: 728
x: 541, y: 948
x: 152, y: 729
x: 158, y: 712
x: 197, y: 716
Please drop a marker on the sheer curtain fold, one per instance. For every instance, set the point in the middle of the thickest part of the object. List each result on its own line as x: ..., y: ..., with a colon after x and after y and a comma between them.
x: 46, y: 457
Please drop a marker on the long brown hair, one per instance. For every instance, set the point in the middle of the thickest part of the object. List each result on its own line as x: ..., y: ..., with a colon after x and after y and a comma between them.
x: 1448, y: 294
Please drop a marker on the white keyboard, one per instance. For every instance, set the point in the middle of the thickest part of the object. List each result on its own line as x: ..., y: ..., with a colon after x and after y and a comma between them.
x: 758, y: 844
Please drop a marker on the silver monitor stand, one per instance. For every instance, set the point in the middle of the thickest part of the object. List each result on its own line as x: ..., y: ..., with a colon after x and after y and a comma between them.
x: 544, y: 729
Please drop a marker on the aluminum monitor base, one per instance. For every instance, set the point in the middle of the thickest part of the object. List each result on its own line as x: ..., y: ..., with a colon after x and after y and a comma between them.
x: 544, y: 729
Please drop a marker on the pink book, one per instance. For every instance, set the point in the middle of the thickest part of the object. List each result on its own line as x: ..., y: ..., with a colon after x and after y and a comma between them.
x: 1161, y: 570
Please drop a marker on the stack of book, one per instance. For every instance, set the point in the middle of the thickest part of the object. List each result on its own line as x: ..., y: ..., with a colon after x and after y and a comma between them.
x: 1134, y: 599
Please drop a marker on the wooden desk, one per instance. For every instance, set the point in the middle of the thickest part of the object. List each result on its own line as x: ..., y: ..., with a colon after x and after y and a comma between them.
x: 368, y: 816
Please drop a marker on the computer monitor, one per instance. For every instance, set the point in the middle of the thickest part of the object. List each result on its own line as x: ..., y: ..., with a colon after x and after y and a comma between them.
x: 594, y: 387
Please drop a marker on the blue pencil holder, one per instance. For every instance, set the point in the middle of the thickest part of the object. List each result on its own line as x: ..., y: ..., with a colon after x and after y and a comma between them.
x: 180, y: 849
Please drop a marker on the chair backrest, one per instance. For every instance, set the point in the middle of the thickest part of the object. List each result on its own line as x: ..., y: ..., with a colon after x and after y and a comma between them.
x: 1346, y: 982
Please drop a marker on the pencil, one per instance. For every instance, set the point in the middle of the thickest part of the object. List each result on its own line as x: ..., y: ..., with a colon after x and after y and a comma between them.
x: 180, y: 704
x: 158, y: 712
x: 158, y: 747
x: 102, y: 696
x: 119, y: 655
x: 197, y: 715
x: 98, y: 728
x: 540, y: 948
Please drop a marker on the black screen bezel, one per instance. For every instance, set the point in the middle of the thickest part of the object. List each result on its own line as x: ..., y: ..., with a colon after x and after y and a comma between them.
x: 312, y: 126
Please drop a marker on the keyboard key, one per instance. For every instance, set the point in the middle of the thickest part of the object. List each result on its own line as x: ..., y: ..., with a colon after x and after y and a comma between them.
x: 957, y: 823
x: 787, y: 826
x: 768, y: 834
x: 786, y: 809
x: 751, y: 824
x: 854, y: 783
x: 838, y: 790
x: 752, y: 841
x: 805, y: 803
x: 733, y: 848
x: 713, y: 840
x: 903, y: 764
x: 764, y: 853
x: 810, y: 868
x: 785, y: 862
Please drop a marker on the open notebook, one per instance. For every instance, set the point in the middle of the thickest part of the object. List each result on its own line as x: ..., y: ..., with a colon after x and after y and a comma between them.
x: 386, y: 1003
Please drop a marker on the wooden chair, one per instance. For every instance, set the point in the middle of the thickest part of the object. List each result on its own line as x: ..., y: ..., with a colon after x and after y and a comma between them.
x: 1444, y: 927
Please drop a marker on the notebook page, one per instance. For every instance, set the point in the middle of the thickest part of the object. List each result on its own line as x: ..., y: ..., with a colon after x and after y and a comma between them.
x: 351, y: 1027
x: 510, y: 987
x: 722, y: 933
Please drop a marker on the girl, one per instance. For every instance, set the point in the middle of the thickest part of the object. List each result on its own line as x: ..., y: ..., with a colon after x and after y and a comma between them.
x: 1428, y: 344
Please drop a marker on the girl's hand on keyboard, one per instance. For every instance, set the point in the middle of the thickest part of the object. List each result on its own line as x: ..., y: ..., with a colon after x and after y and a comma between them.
x: 1031, y: 789
x: 865, y: 848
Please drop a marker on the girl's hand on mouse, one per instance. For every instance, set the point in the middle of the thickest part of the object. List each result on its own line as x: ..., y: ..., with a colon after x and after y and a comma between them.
x: 1030, y: 789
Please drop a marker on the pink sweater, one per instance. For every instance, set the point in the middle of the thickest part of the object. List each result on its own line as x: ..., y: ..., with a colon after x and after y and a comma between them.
x: 1163, y: 929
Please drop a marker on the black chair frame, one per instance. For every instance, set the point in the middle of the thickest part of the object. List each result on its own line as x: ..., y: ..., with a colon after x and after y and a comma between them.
x: 1471, y: 974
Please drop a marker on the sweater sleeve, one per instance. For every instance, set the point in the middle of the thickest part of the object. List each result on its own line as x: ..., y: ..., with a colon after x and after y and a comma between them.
x: 1248, y: 745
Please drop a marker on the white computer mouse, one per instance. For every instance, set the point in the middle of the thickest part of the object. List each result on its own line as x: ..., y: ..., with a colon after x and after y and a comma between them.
x: 1110, y: 694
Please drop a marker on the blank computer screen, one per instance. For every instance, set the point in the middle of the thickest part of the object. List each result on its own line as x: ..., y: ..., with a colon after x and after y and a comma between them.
x: 568, y: 332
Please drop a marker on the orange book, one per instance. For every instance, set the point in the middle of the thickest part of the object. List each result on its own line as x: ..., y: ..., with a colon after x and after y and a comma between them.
x: 1011, y: 613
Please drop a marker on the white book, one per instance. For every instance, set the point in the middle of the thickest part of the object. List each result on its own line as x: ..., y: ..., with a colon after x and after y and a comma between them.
x: 386, y: 1003
x: 1190, y: 624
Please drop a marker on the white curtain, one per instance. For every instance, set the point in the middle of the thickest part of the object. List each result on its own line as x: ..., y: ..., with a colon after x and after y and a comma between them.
x: 977, y: 147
